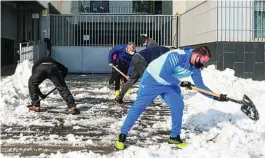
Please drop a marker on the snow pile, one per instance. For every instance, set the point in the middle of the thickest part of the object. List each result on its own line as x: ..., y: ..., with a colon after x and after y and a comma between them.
x: 15, y: 93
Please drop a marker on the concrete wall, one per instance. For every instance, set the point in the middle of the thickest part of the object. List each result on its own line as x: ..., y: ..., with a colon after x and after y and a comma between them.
x: 178, y: 6
x: 64, y: 7
x: 84, y: 59
x: 199, y: 25
x: 191, y: 4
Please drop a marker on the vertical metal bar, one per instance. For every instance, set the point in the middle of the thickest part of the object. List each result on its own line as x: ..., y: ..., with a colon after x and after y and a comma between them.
x: 113, y: 31
x: 129, y: 29
x: 54, y: 31
x: 242, y: 24
x: 79, y: 29
x: 68, y: 31
x: 63, y: 30
x: 92, y: 31
x: 251, y: 17
x: 262, y: 8
x: 122, y: 29
x: 233, y: 21
x: 238, y: 28
x: 155, y: 28
x: 177, y: 30
x: 83, y: 30
x: 138, y: 29
x: 246, y: 18
x: 104, y: 32
x: 86, y: 30
x: 164, y: 30
x: 221, y: 17
x: 229, y: 19
x: 149, y: 28
x: 118, y: 31
x: 170, y: 35
x: 98, y: 31
x: 74, y: 28
x: 225, y: 21
x: 59, y: 30
x: 101, y: 31
x: 159, y: 30
x: 89, y: 31
x: 134, y: 27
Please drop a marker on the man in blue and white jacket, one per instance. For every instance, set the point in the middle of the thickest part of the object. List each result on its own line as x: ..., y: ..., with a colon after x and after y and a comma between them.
x: 162, y: 78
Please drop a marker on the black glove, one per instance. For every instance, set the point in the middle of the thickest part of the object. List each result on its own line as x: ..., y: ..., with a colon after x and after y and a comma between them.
x: 186, y: 84
x: 221, y: 98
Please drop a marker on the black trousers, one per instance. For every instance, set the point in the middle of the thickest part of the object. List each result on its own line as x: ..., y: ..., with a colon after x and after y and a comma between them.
x: 52, y: 72
x: 138, y: 67
x: 123, y: 67
x: 112, y: 77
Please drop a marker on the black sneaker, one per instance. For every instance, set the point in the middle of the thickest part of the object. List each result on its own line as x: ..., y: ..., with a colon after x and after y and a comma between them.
x: 119, y: 99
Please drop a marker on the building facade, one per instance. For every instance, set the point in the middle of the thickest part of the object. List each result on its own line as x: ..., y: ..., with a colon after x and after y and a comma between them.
x: 233, y: 30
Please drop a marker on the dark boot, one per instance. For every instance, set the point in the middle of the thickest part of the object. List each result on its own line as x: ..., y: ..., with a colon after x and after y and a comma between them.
x: 119, y: 99
x: 75, y: 111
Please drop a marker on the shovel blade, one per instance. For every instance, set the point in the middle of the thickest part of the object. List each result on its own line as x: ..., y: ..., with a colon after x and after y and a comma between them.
x: 249, y: 108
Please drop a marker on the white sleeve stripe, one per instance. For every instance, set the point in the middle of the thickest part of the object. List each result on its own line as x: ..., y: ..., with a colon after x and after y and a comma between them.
x: 171, y: 61
x: 175, y: 60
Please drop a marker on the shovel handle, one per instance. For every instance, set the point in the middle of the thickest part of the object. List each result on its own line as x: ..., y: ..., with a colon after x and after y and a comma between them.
x: 120, y: 72
x: 51, y: 91
x: 205, y: 91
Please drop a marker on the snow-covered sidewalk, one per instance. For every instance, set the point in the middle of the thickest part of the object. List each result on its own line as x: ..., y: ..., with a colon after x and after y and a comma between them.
x: 213, y: 129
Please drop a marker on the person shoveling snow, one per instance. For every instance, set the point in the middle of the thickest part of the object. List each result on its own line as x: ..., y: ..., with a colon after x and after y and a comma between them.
x: 48, y: 68
x: 161, y: 77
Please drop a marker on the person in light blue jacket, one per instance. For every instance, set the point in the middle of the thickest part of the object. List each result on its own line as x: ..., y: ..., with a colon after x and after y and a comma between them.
x: 162, y: 77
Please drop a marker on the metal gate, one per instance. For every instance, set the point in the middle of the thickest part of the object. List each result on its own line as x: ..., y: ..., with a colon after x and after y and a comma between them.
x: 82, y: 42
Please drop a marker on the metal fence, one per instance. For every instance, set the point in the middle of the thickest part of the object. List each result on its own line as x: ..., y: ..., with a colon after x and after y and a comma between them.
x: 241, y: 21
x: 32, y: 50
x: 111, y: 30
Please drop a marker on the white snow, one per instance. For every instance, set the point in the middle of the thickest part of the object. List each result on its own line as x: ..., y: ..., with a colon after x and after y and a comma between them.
x: 212, y: 129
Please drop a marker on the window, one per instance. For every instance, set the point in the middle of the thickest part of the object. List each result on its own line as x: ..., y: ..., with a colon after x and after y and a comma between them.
x: 259, y: 19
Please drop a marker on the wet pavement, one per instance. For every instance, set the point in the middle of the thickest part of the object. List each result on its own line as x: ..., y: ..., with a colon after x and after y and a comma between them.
x: 95, y: 129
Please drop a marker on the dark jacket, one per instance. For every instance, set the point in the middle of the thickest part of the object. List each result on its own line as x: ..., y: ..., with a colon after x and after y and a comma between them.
x: 50, y: 60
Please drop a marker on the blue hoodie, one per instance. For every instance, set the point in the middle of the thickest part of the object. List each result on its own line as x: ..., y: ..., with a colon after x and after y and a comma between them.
x: 122, y: 55
x: 175, y: 65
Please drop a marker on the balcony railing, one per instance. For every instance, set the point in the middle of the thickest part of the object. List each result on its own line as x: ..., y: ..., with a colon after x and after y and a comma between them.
x: 115, y: 10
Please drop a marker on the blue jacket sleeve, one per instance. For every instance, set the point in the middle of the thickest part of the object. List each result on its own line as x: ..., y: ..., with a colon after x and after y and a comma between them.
x: 112, y: 52
x: 168, y: 67
x: 197, y: 79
